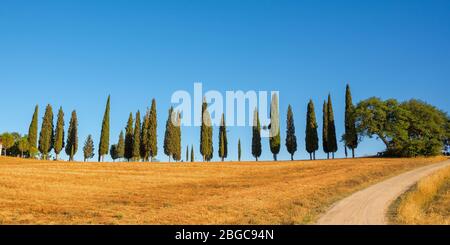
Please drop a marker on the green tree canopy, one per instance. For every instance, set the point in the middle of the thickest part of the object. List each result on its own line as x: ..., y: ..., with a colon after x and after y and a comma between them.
x: 256, y: 136
x: 72, y: 136
x: 350, y: 137
x: 46, y: 136
x: 32, y: 133
x: 129, y: 132
x: 223, y: 141
x: 59, y: 133
x: 311, y: 138
x: 104, y: 136
x: 88, y: 148
x: 332, y: 140
x: 121, y: 146
x: 274, y: 131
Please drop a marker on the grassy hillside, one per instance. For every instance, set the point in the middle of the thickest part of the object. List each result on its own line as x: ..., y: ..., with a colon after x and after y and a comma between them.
x: 427, y: 202
x: 44, y: 192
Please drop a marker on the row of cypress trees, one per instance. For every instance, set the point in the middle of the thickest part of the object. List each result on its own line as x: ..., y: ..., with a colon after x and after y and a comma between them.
x: 140, y: 139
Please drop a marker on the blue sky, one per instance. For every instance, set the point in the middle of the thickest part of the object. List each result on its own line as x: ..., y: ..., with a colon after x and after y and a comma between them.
x: 74, y: 53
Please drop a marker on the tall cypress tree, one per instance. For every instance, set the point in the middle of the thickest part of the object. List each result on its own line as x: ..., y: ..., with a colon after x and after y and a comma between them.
x: 72, y: 136
x: 152, y: 136
x: 274, y: 134
x: 350, y: 136
x: 169, y: 135
x: 137, y: 137
x: 32, y: 133
x: 223, y: 142
x: 59, y: 133
x: 256, y: 137
x: 104, y: 137
x: 291, y: 139
x: 332, y: 141
x: 192, y: 154
x: 46, y: 136
x: 88, y: 148
x: 206, y: 143
x: 325, y: 129
x: 239, y: 150
x: 129, y: 131
x: 177, y: 137
x: 312, y: 138
x: 145, y: 143
x: 121, y: 146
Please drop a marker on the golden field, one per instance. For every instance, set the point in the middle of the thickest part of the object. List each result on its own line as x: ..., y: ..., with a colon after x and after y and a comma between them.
x: 284, y: 192
x: 427, y: 202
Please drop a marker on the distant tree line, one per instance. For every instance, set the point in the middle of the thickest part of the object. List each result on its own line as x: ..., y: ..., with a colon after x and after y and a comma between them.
x: 408, y: 129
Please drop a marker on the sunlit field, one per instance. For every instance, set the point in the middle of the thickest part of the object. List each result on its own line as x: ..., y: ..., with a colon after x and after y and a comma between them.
x: 47, y: 192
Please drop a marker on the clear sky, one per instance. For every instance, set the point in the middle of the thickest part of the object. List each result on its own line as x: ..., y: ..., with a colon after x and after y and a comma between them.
x: 74, y: 53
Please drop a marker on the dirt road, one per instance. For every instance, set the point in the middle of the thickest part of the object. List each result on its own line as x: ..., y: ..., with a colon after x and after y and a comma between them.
x: 369, y: 206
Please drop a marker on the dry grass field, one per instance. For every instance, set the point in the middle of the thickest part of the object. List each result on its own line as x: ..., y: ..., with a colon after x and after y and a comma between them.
x: 427, y: 202
x: 39, y: 192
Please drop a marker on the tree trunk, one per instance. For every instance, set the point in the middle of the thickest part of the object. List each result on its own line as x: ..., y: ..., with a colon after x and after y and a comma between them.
x: 332, y: 154
x: 310, y: 156
x: 256, y: 158
x: 353, y: 152
x: 328, y: 155
x: 292, y: 157
x: 314, y: 155
x: 275, y: 157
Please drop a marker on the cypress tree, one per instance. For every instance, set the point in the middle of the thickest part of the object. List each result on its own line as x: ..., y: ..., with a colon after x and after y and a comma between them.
x: 59, y: 133
x: 46, y: 136
x: 104, y: 137
x: 187, y: 153
x: 206, y: 143
x: 192, y: 154
x: 332, y: 141
x: 168, y: 136
x: 72, y: 136
x: 274, y: 134
x: 137, y: 137
x: 152, y: 136
x: 350, y: 136
x: 145, y: 143
x: 121, y: 146
x: 325, y: 129
x: 312, y: 138
x: 223, y: 142
x: 256, y: 137
x: 129, y: 131
x: 88, y: 148
x: 32, y: 133
x: 177, y: 137
x: 239, y: 150
x: 291, y: 139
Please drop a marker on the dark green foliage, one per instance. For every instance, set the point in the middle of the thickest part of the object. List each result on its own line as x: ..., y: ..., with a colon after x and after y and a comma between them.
x: 239, y: 150
x: 32, y: 133
x: 72, y: 136
x: 59, y: 133
x: 256, y: 136
x: 350, y: 136
x: 206, y: 134
x: 169, y: 145
x: 113, y: 152
x: 121, y: 146
x: 223, y: 141
x: 137, y: 137
x: 332, y: 140
x: 312, y: 137
x: 46, y: 136
x: 152, y: 136
x: 177, y: 138
x: 412, y: 128
x: 192, y: 154
x: 187, y: 153
x: 274, y: 135
x: 129, y: 131
x: 325, y: 129
x: 291, y: 139
x: 104, y: 137
x: 88, y: 148
x: 145, y: 142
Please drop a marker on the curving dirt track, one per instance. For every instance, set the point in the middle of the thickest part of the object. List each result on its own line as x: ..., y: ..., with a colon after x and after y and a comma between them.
x: 369, y: 206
